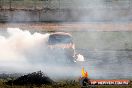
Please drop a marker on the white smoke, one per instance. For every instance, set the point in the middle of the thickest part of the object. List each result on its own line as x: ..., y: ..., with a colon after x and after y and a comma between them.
x: 13, y: 49
x: 80, y: 58
x: 22, y: 51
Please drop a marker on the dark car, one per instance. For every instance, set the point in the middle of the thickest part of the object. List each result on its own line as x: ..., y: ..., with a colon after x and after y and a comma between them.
x: 61, y: 47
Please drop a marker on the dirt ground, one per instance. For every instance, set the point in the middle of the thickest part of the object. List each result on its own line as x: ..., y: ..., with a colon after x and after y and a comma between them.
x: 75, y: 26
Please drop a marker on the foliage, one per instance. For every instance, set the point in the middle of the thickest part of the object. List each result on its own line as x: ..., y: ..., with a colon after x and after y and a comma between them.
x: 37, y: 78
x: 40, y: 80
x: 62, y: 84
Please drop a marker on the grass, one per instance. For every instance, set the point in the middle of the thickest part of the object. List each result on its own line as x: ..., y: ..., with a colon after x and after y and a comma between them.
x: 57, y: 85
x: 63, y: 84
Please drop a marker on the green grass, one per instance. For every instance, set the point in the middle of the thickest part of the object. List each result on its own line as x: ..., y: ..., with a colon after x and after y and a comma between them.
x: 62, y: 84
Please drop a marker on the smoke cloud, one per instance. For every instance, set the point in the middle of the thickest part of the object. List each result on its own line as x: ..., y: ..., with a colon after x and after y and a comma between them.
x: 23, y: 52
x: 108, y: 55
x: 15, y: 46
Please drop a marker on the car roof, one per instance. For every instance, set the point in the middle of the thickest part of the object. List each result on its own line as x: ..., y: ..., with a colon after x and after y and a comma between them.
x: 61, y: 33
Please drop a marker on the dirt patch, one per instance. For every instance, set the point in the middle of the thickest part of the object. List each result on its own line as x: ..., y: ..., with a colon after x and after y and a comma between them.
x: 70, y: 26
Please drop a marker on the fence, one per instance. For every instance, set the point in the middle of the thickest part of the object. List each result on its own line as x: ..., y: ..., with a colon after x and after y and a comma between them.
x: 66, y: 10
x: 29, y: 4
x: 53, y: 4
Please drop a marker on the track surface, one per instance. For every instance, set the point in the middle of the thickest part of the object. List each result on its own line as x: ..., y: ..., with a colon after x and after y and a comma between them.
x: 74, y: 26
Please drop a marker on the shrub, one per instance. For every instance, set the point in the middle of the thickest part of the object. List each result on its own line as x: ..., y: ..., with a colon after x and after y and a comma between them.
x: 37, y: 78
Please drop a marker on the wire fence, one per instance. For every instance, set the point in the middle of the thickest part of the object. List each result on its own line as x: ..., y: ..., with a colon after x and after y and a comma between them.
x: 29, y: 4
x: 60, y: 4
x: 66, y: 10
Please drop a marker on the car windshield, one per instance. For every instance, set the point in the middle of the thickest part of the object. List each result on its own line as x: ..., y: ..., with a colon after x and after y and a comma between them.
x: 59, y: 39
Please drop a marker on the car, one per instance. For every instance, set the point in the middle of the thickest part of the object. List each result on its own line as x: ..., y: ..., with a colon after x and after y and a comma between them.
x: 62, y: 47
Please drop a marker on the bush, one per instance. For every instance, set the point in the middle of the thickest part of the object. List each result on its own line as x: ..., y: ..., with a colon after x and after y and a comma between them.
x: 37, y: 78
